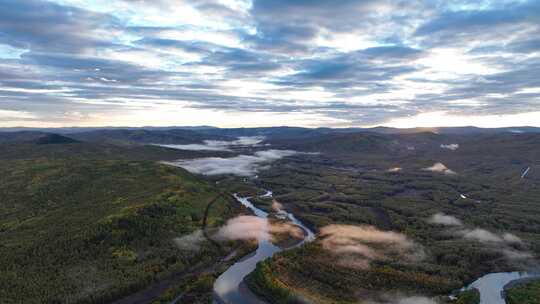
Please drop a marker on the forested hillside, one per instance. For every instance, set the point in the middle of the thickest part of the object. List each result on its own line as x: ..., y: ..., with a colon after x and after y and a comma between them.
x: 82, y: 230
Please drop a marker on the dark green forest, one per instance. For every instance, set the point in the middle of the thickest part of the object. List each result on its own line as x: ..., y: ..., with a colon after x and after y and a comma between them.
x: 353, y: 187
x: 84, y: 229
x: 526, y: 293
x: 102, y: 222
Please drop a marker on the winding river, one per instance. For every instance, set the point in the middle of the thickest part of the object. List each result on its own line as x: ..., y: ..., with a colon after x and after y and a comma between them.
x: 229, y: 287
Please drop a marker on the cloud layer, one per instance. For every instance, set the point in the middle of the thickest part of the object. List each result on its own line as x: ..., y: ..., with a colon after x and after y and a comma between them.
x: 268, y: 62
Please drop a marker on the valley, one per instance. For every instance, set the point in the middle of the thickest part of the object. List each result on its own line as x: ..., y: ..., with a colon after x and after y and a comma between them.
x: 396, y: 218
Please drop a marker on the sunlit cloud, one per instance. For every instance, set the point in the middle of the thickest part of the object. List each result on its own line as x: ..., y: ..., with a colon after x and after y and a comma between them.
x: 358, y: 246
x: 265, y: 63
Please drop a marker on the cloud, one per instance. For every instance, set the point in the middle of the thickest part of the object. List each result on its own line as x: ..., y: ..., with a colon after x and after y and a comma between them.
x: 470, y: 22
x: 482, y: 235
x: 57, y: 28
x: 357, y: 246
x: 439, y: 167
x: 394, y: 169
x: 515, y: 255
x: 126, y: 61
x: 443, y: 219
x: 247, y: 227
x: 8, y: 115
x: 486, y: 236
x: 511, y: 238
x: 218, y: 145
x: 350, y: 69
x: 452, y: 147
x: 241, y: 165
x: 510, y: 245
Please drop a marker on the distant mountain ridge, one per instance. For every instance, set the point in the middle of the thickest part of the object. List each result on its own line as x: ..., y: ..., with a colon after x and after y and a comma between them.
x: 273, y: 135
x: 35, y: 137
x: 210, y: 130
x: 145, y: 136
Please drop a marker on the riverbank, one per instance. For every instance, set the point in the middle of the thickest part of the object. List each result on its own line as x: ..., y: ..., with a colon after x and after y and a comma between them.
x: 524, y: 291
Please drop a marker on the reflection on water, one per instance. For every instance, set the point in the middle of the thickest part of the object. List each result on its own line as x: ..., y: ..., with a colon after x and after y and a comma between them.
x: 491, y: 285
x: 227, y: 288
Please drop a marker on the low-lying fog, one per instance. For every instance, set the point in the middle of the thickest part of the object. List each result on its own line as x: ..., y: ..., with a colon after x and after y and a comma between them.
x: 509, y: 244
x: 220, y: 145
x: 241, y: 165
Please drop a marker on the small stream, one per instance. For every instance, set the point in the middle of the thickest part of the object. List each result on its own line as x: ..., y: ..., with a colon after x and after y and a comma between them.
x: 229, y: 287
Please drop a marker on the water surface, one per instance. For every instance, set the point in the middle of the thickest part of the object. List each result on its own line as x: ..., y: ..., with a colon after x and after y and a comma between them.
x: 491, y: 285
x: 228, y: 288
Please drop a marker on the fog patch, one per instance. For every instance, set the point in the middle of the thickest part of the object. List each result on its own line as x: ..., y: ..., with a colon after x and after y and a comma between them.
x: 245, y: 227
x: 509, y: 244
x: 221, y: 145
x: 248, y: 227
x: 486, y: 236
x: 357, y: 246
x: 241, y: 165
x: 395, y: 169
x: 443, y: 219
x: 416, y: 300
x: 481, y: 235
x: 206, y: 146
x: 401, y: 299
x: 248, y: 141
x: 511, y: 238
x: 190, y: 242
x: 506, y: 242
x: 452, y: 147
x: 513, y: 254
x: 439, y: 167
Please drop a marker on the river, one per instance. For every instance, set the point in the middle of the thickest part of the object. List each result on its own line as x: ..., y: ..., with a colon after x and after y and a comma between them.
x: 491, y: 285
x: 229, y: 287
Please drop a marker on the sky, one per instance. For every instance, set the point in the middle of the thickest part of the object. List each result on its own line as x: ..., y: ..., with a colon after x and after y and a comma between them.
x: 245, y: 63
